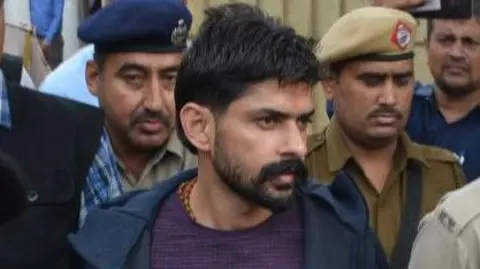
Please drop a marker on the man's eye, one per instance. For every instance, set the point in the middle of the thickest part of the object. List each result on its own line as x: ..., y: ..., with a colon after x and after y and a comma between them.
x: 304, y: 122
x: 133, y: 78
x: 372, y: 81
x: 445, y: 40
x: 402, y: 81
x: 170, y: 77
x: 267, y: 122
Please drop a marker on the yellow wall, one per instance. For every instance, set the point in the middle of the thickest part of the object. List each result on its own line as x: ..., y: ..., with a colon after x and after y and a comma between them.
x: 310, y: 18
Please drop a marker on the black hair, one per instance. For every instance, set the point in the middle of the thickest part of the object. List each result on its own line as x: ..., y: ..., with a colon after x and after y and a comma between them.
x: 475, y: 14
x: 429, y: 29
x: 236, y: 46
x: 100, y: 59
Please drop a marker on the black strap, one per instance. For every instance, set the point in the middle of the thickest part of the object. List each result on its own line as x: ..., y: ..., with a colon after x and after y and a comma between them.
x: 410, y: 218
x: 12, y: 68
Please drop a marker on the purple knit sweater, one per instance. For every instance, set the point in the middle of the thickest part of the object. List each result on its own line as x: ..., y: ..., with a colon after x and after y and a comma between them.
x: 180, y: 243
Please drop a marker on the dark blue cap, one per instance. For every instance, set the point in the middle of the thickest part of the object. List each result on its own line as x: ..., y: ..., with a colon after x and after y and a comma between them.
x: 138, y: 26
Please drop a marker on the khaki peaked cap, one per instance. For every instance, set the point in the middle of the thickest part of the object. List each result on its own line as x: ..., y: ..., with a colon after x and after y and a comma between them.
x: 369, y: 31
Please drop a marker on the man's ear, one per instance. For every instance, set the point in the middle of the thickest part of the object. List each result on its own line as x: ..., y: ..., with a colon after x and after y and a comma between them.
x: 198, y: 125
x: 92, y: 74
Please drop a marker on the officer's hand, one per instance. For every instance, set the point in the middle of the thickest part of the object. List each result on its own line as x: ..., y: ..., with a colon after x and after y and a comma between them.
x: 400, y: 4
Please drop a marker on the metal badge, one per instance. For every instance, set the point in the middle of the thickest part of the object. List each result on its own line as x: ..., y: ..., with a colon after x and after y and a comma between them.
x: 179, y: 33
x: 402, y: 35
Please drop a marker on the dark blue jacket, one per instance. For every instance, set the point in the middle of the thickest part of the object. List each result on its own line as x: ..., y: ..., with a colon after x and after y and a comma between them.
x: 427, y: 125
x: 117, y: 235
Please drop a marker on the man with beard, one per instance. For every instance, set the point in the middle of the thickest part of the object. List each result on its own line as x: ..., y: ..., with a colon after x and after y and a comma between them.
x: 369, y: 55
x: 447, y: 114
x: 243, y: 102
x: 133, y: 74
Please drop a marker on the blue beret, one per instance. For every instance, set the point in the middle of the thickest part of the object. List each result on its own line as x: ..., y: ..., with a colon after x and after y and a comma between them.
x: 138, y: 26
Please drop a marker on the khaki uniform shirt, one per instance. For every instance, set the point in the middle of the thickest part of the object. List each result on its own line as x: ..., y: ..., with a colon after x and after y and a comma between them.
x: 173, y: 158
x: 327, y: 155
x: 449, y: 237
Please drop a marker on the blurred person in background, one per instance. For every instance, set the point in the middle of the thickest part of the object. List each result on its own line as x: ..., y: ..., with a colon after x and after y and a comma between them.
x: 447, y: 113
x: 46, y: 17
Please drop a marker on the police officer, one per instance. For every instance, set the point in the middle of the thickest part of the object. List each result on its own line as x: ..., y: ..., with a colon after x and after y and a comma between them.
x: 369, y: 54
x: 138, y: 46
x: 446, y: 113
x: 449, y: 237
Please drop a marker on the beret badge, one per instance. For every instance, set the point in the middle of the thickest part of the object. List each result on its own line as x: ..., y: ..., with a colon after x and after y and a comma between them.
x: 179, y: 33
x: 401, y: 35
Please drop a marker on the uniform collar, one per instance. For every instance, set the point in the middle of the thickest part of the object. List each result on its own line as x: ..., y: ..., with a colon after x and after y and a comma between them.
x: 174, y: 146
x: 338, y: 154
x: 5, y: 113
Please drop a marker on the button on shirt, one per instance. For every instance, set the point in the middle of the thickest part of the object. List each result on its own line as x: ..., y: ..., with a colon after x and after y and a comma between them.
x: 427, y: 125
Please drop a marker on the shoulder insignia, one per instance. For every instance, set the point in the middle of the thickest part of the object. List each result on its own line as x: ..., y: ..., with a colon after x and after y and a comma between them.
x: 458, y: 209
x: 438, y: 154
x: 446, y: 220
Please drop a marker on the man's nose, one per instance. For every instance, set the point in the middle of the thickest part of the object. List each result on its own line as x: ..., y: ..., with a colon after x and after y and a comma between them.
x: 154, y: 98
x: 457, y: 51
x: 295, y: 142
x: 388, y: 94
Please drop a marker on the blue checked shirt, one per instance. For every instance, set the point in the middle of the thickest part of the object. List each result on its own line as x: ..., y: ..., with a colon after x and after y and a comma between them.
x: 5, y: 116
x: 103, y: 180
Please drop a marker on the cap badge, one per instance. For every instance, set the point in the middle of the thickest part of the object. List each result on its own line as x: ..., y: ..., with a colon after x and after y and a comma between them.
x: 179, y: 33
x: 402, y: 35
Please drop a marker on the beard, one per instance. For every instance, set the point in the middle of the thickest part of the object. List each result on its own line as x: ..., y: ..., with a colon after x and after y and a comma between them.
x: 257, y: 189
x: 456, y: 91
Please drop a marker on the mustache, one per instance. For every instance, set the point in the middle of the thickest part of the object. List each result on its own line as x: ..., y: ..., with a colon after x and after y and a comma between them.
x: 462, y: 64
x: 145, y: 115
x: 295, y: 166
x: 386, y: 110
